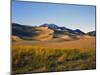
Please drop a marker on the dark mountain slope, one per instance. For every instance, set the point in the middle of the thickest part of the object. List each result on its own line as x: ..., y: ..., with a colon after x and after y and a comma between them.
x: 92, y: 33
x: 32, y: 33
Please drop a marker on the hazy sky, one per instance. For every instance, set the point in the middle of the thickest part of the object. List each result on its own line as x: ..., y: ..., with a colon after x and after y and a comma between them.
x: 70, y: 16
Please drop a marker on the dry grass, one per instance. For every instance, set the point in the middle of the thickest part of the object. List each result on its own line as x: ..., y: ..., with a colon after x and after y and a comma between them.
x: 30, y: 58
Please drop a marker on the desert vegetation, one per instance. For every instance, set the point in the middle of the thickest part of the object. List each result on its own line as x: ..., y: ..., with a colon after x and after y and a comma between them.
x: 30, y: 58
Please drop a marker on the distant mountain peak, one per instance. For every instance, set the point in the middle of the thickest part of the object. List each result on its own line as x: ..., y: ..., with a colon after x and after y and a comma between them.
x: 51, y: 26
x: 78, y: 31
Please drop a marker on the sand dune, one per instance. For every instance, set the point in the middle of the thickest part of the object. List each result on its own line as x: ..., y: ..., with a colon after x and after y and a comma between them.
x: 83, y: 43
x: 44, y: 34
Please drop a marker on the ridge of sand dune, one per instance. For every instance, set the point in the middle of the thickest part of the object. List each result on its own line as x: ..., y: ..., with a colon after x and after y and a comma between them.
x: 43, y: 33
x: 85, y: 37
x: 15, y: 38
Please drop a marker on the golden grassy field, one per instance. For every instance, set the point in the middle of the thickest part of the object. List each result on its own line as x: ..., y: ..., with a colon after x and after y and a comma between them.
x: 50, y: 56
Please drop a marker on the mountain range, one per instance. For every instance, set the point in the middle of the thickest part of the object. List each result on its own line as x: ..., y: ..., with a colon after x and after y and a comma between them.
x: 47, y: 32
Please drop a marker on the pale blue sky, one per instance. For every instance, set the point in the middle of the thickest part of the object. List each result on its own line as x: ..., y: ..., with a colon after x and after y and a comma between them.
x: 71, y: 16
